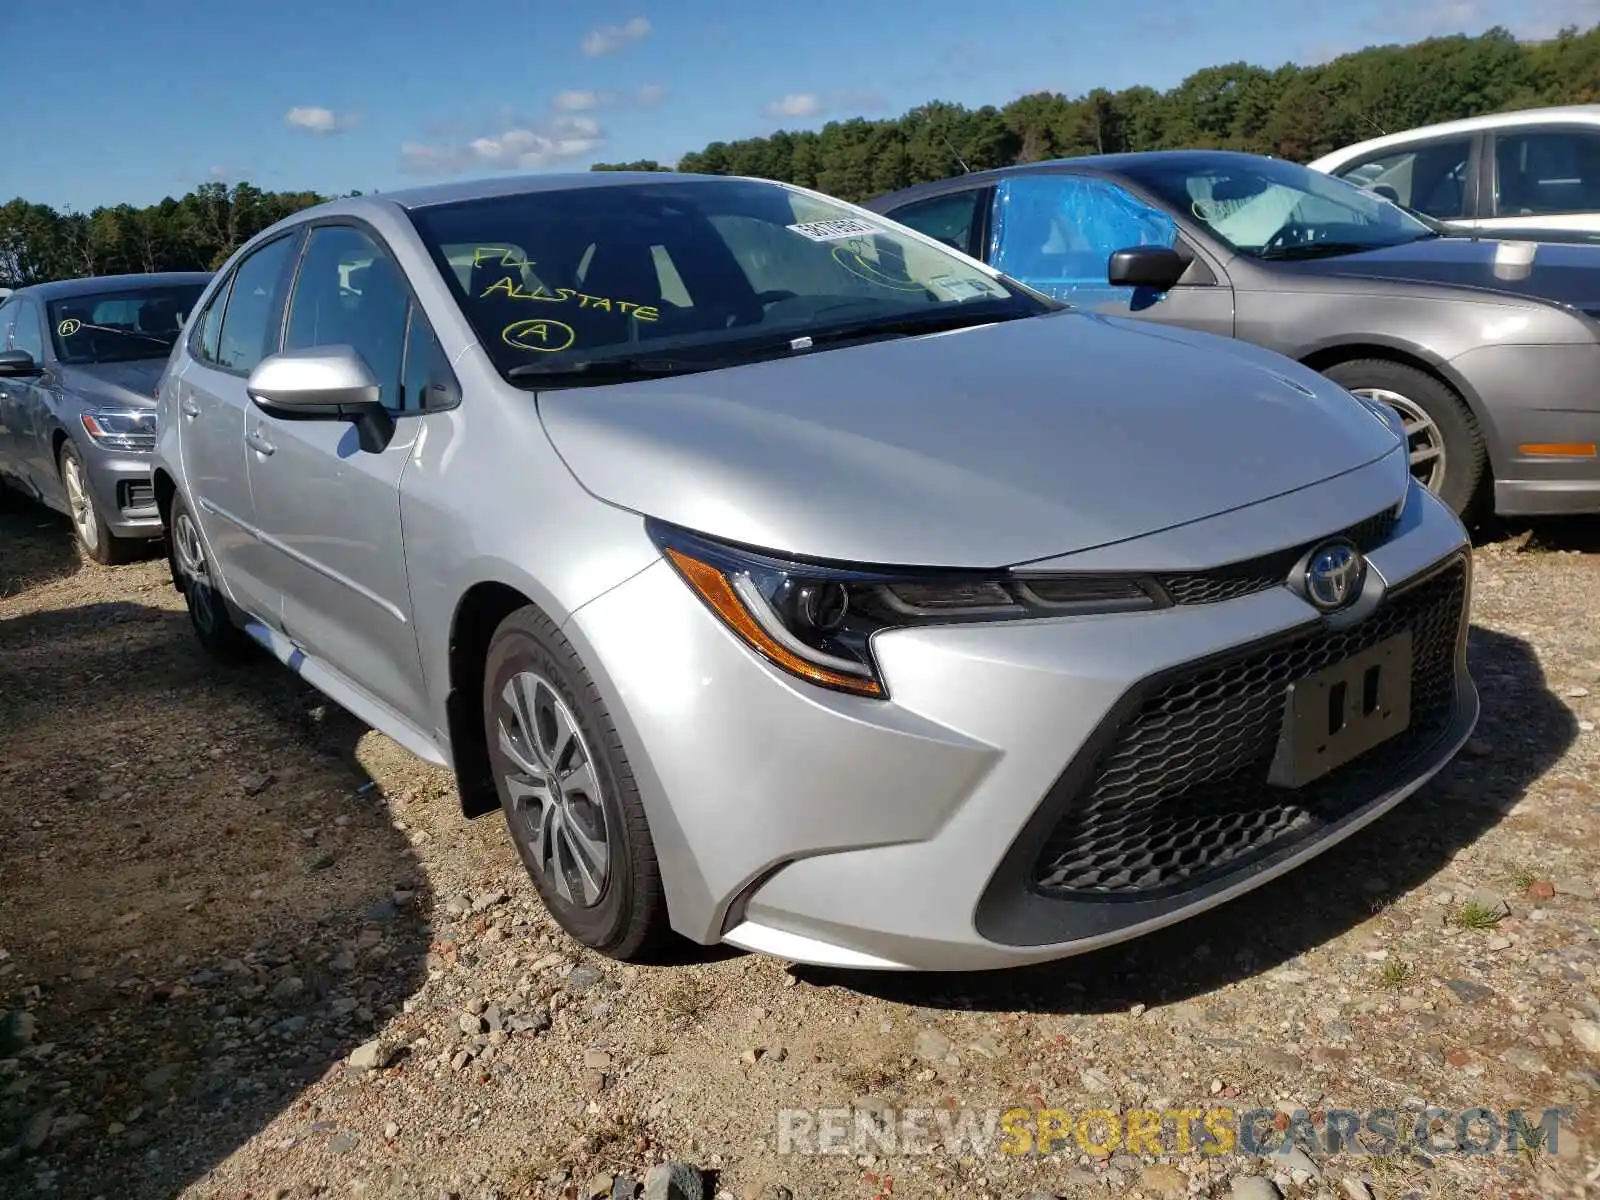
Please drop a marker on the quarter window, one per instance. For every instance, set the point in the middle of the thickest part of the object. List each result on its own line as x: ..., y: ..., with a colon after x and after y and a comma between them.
x: 249, y: 332
x: 426, y: 366
x: 350, y: 293
x: 208, y: 328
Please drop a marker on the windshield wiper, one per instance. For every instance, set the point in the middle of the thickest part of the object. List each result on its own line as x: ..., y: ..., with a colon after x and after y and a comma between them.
x: 934, y: 322
x: 1322, y: 250
x: 610, y: 370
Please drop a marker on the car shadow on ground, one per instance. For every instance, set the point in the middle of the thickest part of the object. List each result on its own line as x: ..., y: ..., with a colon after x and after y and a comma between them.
x: 1524, y: 729
x: 203, y: 903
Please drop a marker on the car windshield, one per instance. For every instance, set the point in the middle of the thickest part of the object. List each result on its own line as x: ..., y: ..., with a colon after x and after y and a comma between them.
x: 120, y: 326
x: 1268, y: 208
x: 692, y: 274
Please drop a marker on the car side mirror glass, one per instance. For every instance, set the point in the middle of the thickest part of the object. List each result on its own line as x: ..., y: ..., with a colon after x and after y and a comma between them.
x: 1158, y: 267
x: 17, y: 363
x: 316, y: 383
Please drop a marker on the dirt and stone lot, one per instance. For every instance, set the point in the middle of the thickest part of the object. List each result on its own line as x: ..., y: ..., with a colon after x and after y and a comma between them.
x: 249, y: 948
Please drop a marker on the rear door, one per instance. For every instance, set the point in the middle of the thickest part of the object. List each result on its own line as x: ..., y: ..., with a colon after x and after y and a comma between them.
x: 1542, y: 176
x: 329, y: 509
x: 239, y: 327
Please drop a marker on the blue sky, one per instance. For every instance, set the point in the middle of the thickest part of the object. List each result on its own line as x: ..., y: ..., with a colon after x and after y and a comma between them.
x: 138, y: 99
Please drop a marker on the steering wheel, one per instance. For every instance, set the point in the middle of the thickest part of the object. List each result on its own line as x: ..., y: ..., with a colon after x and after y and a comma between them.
x: 1292, y: 234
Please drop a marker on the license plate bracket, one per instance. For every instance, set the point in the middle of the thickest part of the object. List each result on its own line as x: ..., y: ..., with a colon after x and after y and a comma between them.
x: 1343, y: 711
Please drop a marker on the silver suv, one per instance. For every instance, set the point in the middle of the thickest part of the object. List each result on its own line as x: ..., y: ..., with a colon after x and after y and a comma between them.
x: 792, y: 580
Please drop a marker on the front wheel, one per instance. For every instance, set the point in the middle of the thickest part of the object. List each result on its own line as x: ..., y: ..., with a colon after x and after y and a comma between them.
x: 92, y: 532
x: 192, y: 575
x: 568, y: 792
x: 1447, y: 451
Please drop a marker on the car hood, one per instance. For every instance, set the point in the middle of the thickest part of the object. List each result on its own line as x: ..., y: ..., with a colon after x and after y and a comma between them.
x: 988, y: 446
x: 127, y: 384
x: 1565, y: 272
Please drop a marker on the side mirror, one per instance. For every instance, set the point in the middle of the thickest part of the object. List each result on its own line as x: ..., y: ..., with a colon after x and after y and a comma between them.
x: 323, y: 383
x: 1157, y: 267
x: 329, y: 383
x: 16, y: 364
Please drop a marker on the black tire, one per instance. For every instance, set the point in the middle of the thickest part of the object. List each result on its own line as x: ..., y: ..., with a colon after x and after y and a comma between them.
x: 627, y: 918
x: 89, y: 528
x: 1462, y: 486
x: 209, y: 612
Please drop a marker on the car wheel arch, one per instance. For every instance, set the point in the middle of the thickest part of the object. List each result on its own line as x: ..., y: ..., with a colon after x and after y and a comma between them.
x: 1324, y: 357
x: 478, y: 613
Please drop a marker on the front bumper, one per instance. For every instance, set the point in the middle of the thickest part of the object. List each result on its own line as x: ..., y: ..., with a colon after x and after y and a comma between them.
x: 908, y: 834
x: 123, y: 490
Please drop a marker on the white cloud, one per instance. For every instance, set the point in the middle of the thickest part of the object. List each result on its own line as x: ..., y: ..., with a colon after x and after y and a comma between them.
x: 613, y: 37
x: 525, y: 146
x: 647, y: 96
x: 814, y: 104
x: 319, y: 120
x: 576, y: 101
x: 795, y: 104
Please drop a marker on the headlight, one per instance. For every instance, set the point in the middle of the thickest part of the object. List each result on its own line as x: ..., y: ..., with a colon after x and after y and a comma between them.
x: 133, y: 430
x: 816, y: 621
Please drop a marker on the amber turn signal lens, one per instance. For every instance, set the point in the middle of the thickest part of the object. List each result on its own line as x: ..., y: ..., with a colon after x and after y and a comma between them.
x: 1557, y: 449
x: 715, y: 590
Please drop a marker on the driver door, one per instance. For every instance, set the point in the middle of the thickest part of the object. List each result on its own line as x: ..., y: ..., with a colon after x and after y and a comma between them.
x: 1056, y: 232
x: 327, y: 507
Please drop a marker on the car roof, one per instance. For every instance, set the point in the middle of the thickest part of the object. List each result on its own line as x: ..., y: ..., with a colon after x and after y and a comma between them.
x: 1110, y: 164
x: 425, y: 196
x: 98, y: 284
x: 1574, y: 114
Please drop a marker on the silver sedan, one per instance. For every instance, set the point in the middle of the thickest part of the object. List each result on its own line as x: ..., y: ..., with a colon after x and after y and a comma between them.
x: 790, y: 580
x: 79, y: 361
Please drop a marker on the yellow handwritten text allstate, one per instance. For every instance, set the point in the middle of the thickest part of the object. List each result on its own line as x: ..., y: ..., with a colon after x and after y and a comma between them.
x: 515, y: 291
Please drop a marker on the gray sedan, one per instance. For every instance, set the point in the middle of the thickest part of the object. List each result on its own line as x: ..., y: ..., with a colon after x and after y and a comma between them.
x: 79, y: 361
x: 789, y: 580
x: 1488, y: 350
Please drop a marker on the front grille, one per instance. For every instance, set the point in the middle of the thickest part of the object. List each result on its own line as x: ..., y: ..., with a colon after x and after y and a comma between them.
x: 1270, y: 570
x: 1181, y: 795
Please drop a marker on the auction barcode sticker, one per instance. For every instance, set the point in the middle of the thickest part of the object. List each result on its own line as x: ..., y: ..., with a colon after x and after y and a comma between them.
x: 833, y: 231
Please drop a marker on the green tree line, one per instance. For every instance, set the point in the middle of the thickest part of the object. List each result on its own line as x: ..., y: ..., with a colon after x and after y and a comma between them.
x: 1289, y: 111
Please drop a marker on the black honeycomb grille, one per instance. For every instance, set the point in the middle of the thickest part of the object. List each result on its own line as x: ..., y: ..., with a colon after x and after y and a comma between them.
x: 1270, y: 570
x: 1181, y: 795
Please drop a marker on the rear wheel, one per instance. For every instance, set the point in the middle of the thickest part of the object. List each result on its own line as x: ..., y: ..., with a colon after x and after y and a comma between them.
x: 568, y: 792
x: 192, y: 575
x: 1447, y: 451
x: 93, y: 534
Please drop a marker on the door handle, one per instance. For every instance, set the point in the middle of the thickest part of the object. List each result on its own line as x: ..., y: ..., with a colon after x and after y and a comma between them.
x: 188, y: 407
x: 258, y: 443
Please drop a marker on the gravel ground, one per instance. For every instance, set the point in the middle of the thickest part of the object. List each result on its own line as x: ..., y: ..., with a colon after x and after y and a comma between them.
x: 249, y: 948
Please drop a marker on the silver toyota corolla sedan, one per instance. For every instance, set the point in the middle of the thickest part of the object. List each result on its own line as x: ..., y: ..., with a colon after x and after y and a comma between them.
x: 79, y: 362
x: 791, y: 580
